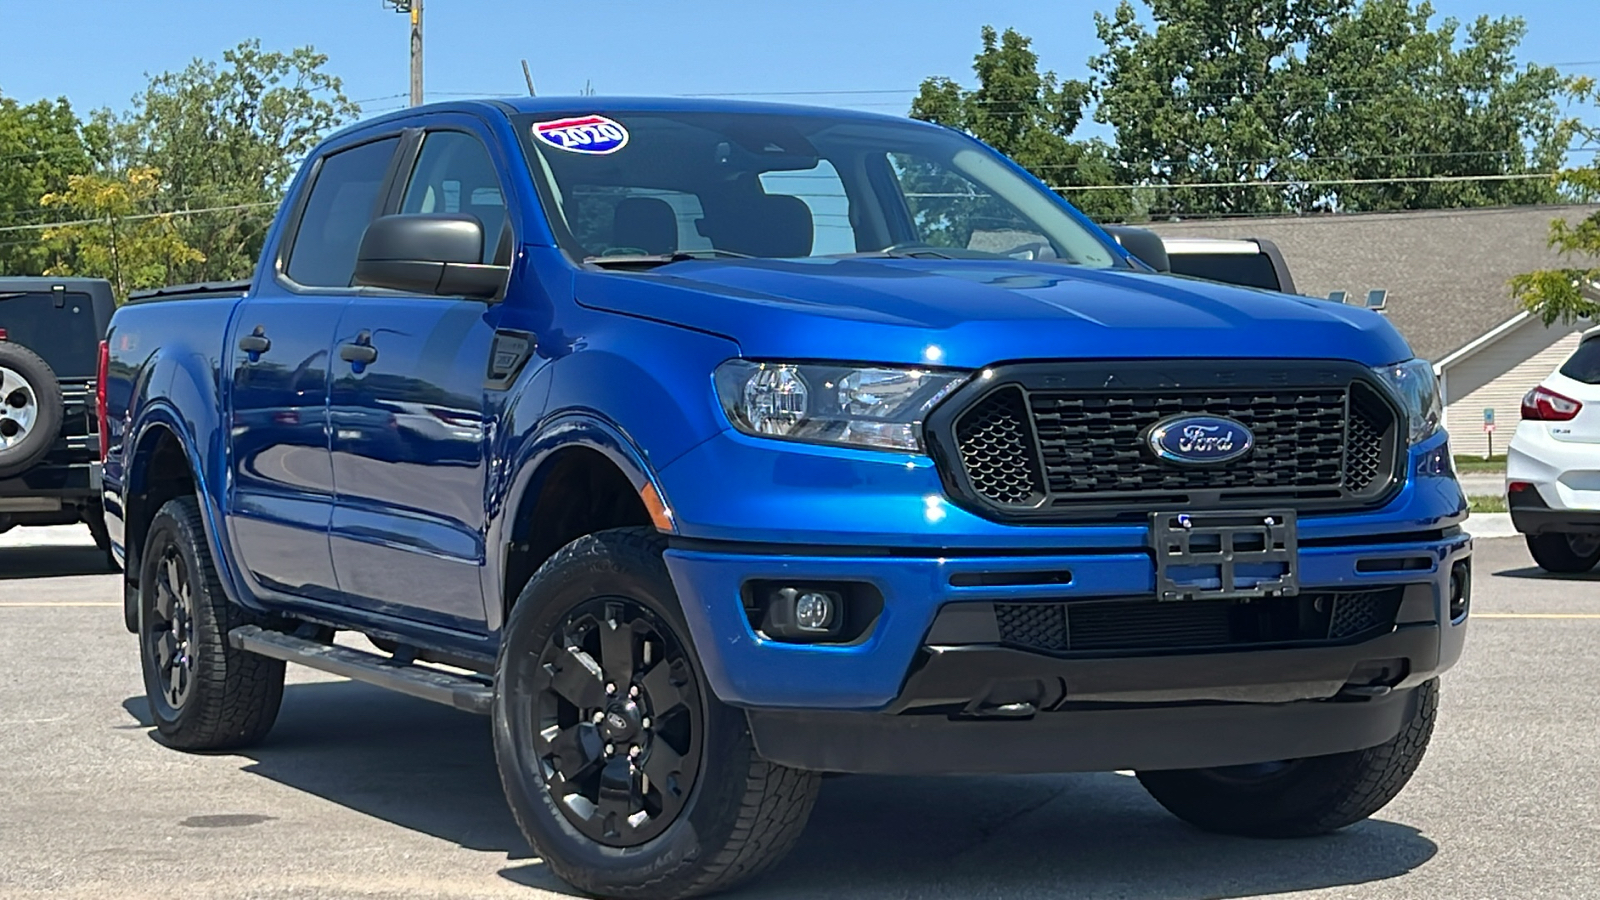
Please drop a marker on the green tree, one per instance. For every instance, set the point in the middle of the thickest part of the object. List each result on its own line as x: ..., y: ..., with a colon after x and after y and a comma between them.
x: 1571, y: 291
x: 41, y: 147
x: 1028, y: 116
x: 114, y: 234
x: 1403, y: 101
x: 1304, y: 91
x: 228, y: 135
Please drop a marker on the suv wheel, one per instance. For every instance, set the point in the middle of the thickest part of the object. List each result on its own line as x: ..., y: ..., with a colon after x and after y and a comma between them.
x: 203, y: 693
x: 1565, y: 553
x: 30, y: 409
x: 623, y: 770
x: 1300, y: 797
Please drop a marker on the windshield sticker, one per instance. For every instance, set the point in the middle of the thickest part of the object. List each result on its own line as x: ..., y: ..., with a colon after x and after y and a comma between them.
x: 585, y: 134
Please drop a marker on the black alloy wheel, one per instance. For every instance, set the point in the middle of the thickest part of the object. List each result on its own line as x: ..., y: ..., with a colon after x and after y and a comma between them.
x: 169, y: 629
x: 619, y: 722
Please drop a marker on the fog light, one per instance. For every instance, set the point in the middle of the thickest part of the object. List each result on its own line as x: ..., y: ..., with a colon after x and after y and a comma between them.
x: 803, y: 614
x: 813, y: 611
x: 1460, y: 589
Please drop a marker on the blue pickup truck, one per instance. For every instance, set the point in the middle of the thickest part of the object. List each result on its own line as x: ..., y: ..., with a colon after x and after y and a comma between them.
x: 710, y: 448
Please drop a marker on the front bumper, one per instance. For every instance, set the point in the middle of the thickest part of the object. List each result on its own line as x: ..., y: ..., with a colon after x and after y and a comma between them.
x: 746, y: 669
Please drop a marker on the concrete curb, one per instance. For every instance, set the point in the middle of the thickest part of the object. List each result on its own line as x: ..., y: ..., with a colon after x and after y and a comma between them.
x: 1490, y: 525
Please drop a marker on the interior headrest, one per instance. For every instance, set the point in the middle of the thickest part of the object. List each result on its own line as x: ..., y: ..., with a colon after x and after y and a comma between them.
x: 648, y: 224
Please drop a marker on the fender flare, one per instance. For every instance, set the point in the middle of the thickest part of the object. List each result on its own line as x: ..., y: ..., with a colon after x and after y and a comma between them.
x: 160, y: 413
x: 528, y: 466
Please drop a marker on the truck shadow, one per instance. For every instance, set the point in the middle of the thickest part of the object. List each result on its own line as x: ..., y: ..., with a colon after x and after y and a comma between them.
x: 431, y: 769
x: 1534, y: 573
x: 52, y: 562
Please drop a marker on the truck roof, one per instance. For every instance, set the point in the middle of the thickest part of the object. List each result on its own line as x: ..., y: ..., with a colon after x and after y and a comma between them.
x: 561, y: 105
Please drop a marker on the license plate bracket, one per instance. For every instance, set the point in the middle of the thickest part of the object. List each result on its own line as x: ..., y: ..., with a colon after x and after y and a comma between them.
x: 1225, y: 554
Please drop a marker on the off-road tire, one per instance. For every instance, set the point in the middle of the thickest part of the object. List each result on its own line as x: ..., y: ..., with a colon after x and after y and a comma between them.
x: 42, y: 384
x: 1554, y: 553
x: 1311, y: 796
x: 742, y: 815
x: 234, y: 695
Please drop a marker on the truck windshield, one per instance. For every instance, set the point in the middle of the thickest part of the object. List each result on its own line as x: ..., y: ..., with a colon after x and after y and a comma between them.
x: 700, y: 185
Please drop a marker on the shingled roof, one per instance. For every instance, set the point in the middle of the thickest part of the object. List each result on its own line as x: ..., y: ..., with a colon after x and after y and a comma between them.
x: 1445, y: 270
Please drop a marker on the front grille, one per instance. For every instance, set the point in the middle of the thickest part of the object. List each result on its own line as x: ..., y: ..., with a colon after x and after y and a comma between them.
x: 1099, y: 626
x: 1039, y: 443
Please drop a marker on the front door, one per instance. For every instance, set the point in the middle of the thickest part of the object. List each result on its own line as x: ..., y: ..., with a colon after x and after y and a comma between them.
x: 410, y: 431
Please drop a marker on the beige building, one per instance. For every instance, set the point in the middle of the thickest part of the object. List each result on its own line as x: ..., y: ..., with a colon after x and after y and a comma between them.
x: 1446, y: 274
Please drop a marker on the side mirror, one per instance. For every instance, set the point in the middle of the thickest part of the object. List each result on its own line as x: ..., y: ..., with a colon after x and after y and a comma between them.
x: 428, y: 254
x: 1143, y: 243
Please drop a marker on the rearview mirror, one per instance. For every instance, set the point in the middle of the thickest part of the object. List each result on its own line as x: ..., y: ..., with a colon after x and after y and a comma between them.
x: 429, y: 254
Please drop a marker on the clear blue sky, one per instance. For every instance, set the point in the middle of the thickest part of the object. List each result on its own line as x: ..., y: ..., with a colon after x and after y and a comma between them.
x: 96, y: 52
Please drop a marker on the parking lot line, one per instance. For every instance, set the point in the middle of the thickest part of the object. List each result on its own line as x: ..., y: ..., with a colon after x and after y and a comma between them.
x: 59, y: 603
x: 1536, y: 615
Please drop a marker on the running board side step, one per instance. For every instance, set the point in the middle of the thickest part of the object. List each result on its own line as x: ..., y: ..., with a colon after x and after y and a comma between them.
x: 460, y: 691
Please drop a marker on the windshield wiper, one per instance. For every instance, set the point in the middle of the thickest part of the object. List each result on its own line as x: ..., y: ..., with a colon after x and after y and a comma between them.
x: 642, y: 260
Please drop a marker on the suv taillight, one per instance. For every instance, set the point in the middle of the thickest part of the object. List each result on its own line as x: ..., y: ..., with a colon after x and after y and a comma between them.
x: 100, y: 397
x: 1544, y: 405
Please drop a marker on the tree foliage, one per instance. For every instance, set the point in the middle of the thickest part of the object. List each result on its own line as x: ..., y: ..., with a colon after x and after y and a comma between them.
x: 41, y: 147
x: 114, y: 234
x: 1308, y: 91
x: 1026, y: 115
x: 228, y: 135
x: 1572, y: 291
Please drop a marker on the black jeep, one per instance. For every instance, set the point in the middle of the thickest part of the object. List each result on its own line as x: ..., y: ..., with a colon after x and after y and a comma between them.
x: 50, y: 333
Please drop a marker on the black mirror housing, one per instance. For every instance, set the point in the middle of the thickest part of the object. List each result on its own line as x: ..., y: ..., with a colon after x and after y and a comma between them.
x: 1142, y: 243
x: 429, y: 253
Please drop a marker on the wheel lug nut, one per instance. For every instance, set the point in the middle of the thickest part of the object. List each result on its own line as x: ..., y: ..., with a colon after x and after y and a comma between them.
x: 599, y: 717
x: 611, y: 749
x: 633, y: 691
x: 611, y: 688
x: 634, y: 751
x: 645, y: 722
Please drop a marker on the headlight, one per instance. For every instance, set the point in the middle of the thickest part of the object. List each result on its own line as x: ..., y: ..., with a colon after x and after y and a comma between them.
x: 832, y: 404
x: 1417, y: 389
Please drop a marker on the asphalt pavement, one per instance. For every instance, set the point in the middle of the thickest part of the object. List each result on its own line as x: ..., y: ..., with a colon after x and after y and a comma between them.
x: 360, y: 793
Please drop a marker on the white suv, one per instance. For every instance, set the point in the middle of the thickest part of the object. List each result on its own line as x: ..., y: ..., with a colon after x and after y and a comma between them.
x: 1553, y: 464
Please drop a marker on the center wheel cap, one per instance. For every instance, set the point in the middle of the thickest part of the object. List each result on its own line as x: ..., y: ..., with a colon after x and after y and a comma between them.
x: 621, y: 722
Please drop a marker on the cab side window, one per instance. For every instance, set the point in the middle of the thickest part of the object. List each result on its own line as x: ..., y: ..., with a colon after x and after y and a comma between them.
x: 342, y: 203
x: 454, y: 174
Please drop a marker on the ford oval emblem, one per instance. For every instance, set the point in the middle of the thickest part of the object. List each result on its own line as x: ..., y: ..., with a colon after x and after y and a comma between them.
x: 1198, y: 440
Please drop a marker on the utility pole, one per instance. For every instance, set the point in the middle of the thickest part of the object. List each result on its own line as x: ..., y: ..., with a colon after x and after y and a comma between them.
x: 414, y: 7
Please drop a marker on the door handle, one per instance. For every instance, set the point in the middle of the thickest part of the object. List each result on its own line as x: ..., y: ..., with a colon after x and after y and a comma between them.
x: 358, y: 353
x: 255, y: 343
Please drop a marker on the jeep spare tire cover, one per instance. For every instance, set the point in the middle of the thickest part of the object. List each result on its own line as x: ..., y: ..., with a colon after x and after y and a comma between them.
x: 30, y: 409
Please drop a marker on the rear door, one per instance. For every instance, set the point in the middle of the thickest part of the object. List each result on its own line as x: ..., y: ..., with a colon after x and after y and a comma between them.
x: 281, y: 349
x: 410, y: 430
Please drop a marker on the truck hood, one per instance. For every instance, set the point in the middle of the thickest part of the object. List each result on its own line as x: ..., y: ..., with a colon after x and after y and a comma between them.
x: 971, y: 313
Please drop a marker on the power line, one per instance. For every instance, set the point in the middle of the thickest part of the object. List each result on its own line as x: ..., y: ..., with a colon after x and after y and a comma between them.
x: 1313, y: 182
x: 161, y: 215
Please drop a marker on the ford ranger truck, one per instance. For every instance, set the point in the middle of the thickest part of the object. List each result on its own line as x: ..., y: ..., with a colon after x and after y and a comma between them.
x: 711, y: 447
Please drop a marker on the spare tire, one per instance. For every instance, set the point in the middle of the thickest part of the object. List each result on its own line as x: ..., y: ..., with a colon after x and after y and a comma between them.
x: 30, y: 409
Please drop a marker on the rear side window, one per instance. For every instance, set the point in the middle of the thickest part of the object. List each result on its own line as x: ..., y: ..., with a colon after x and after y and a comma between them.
x: 65, y: 337
x: 455, y: 175
x: 1247, y: 269
x: 1584, y: 365
x: 341, y: 205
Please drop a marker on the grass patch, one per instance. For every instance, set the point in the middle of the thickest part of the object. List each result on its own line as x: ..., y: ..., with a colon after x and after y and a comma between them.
x: 1487, y: 504
x: 1479, y: 464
